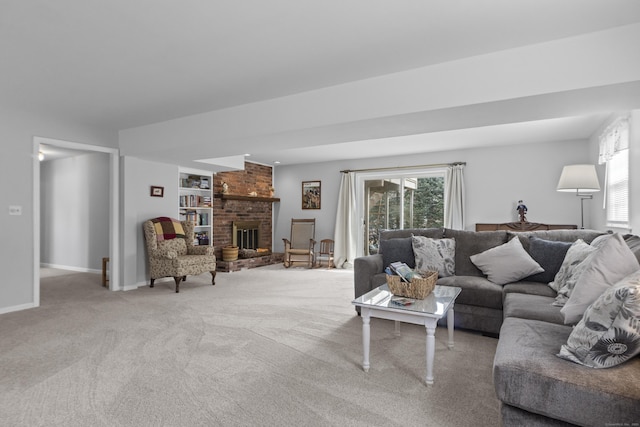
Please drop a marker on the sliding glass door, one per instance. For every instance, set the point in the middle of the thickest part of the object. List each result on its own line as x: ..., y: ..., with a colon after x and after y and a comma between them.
x: 397, y: 200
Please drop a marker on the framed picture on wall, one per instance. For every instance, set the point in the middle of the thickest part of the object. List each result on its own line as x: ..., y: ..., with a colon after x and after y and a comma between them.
x: 310, y: 194
x: 157, y: 191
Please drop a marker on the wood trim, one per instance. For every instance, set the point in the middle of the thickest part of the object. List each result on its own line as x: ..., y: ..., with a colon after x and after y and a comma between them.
x: 524, y: 226
x: 246, y: 198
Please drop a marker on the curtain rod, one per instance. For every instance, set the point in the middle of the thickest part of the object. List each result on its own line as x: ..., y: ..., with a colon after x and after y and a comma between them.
x: 436, y: 165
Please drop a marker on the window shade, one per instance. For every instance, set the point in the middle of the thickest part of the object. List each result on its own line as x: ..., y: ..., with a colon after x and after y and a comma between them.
x: 618, y: 189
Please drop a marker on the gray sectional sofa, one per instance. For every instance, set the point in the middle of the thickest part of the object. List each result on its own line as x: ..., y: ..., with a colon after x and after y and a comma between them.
x: 534, y: 385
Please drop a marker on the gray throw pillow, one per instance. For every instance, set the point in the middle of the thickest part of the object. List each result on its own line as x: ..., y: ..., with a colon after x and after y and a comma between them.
x: 400, y: 249
x: 550, y: 255
x: 609, y: 332
x: 607, y: 265
x: 506, y: 263
x: 570, y: 270
x: 435, y: 255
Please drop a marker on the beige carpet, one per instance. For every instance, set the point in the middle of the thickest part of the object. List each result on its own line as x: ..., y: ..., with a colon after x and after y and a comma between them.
x: 264, y: 347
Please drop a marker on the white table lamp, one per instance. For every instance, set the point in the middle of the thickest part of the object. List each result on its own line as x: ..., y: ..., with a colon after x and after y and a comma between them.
x: 581, y: 179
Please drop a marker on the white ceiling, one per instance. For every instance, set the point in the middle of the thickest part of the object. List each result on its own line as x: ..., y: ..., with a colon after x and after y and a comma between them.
x: 120, y: 64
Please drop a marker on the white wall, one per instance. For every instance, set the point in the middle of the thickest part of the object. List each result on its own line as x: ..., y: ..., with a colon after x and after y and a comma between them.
x: 138, y: 206
x: 74, y: 211
x: 16, y: 188
x: 496, y: 178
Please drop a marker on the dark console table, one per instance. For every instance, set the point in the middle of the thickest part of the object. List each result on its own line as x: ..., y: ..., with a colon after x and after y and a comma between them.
x: 524, y: 226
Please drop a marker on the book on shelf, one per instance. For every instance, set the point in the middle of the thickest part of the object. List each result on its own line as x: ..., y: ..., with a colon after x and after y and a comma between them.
x: 204, y: 218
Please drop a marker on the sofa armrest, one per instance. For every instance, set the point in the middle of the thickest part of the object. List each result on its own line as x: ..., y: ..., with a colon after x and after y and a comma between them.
x: 364, y: 268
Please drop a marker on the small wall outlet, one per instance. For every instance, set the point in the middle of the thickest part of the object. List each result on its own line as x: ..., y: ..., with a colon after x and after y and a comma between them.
x: 15, y: 210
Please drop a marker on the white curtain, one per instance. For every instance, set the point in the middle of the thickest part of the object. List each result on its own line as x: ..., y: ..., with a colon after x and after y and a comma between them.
x: 454, y: 197
x: 346, y: 234
x: 614, y: 138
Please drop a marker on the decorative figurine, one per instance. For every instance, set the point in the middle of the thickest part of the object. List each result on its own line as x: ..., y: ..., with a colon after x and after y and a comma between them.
x: 225, y: 188
x: 522, y: 210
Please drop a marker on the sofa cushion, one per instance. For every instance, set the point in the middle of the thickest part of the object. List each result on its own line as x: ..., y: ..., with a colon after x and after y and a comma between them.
x: 527, y: 374
x: 529, y: 288
x: 399, y: 249
x: 506, y: 263
x: 476, y: 291
x: 570, y: 270
x: 549, y: 255
x: 435, y: 255
x: 470, y: 243
x: 611, y: 262
x: 609, y: 332
x: 535, y: 307
x: 476, y: 318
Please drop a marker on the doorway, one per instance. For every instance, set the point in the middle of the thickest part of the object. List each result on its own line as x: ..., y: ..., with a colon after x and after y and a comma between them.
x: 113, y: 207
x: 399, y: 199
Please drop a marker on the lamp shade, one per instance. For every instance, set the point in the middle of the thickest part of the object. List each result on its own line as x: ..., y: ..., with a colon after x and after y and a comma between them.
x: 579, y: 178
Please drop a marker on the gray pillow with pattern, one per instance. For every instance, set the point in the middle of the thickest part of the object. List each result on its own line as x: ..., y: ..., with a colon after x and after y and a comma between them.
x: 570, y: 271
x: 609, y: 332
x: 435, y: 255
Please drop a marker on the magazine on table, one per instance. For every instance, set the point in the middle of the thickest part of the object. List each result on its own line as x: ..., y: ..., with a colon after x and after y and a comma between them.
x: 402, y: 301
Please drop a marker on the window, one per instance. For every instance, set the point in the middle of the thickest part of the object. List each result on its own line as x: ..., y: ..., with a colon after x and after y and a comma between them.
x: 397, y: 201
x: 617, y: 200
x: 614, y: 151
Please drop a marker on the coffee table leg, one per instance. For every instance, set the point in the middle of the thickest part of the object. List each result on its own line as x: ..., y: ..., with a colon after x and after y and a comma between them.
x: 450, y: 320
x: 397, y: 329
x: 431, y: 343
x: 366, y: 335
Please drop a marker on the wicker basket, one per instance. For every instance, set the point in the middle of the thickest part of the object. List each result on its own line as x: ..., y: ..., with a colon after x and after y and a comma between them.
x: 417, y: 288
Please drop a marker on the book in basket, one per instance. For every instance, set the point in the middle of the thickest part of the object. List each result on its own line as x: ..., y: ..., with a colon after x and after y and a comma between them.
x: 404, y: 271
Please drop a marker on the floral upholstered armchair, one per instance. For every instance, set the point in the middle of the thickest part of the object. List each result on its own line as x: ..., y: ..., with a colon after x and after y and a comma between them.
x: 171, y: 253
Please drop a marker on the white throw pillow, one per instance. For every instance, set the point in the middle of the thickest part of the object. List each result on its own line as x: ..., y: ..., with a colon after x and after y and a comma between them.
x: 571, y: 268
x: 435, y: 255
x: 506, y: 263
x: 607, y: 265
x: 609, y: 332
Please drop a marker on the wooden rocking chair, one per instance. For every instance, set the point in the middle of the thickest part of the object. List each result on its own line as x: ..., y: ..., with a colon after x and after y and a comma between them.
x: 302, y: 244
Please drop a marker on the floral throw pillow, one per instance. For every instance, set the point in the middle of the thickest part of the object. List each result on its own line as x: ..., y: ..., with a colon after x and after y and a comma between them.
x: 435, y: 255
x: 609, y: 332
x: 570, y: 270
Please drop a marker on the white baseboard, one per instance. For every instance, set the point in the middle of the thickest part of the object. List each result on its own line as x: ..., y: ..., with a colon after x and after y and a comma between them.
x: 70, y: 268
x: 17, y: 308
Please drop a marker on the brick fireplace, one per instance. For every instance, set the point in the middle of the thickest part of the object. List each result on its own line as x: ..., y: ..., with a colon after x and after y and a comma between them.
x: 249, y: 212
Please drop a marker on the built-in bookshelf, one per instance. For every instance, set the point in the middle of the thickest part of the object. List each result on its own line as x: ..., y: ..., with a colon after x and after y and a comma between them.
x: 196, y: 204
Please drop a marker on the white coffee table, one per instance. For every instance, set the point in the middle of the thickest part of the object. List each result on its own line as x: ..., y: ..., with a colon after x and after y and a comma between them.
x: 378, y: 303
